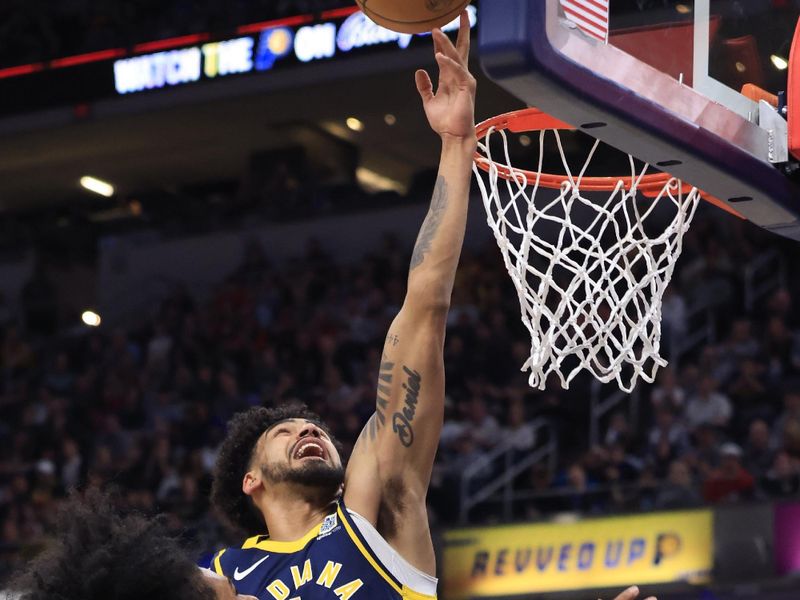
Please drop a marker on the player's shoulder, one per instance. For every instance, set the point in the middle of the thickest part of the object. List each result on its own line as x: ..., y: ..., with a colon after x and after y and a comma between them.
x: 230, y: 561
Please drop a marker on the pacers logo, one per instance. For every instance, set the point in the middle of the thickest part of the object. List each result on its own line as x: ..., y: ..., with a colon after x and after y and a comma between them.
x: 273, y: 44
x: 667, y: 545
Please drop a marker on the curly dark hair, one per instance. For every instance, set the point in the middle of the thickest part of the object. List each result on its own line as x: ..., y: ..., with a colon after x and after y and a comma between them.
x: 235, y: 459
x: 100, y: 554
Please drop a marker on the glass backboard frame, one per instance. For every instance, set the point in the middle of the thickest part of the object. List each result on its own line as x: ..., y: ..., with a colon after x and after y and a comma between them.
x: 528, y: 48
x: 703, y: 82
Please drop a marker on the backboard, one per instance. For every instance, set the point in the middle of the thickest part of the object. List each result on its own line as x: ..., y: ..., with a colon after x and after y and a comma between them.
x: 663, y: 80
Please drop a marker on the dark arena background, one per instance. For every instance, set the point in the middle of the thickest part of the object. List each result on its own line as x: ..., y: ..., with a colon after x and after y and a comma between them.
x: 208, y: 206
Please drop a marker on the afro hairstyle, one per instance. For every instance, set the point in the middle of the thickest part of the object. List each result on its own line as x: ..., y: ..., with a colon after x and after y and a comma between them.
x: 235, y: 459
x: 99, y: 554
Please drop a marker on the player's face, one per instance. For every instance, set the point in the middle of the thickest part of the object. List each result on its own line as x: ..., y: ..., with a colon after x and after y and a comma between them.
x: 299, y: 451
x: 222, y: 586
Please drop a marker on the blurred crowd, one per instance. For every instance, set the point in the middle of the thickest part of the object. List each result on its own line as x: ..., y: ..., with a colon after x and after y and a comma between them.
x: 142, y: 410
x: 35, y: 30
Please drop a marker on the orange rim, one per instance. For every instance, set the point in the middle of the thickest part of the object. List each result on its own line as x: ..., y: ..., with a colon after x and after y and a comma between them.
x: 532, y: 119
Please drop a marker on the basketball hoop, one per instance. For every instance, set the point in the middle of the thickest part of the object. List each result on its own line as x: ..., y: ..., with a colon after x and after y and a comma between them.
x: 591, y: 261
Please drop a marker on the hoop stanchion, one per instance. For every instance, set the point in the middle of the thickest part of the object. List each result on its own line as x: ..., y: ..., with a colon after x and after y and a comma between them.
x: 590, y: 260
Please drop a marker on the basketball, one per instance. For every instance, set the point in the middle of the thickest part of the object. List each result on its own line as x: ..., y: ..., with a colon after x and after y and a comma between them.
x: 412, y: 16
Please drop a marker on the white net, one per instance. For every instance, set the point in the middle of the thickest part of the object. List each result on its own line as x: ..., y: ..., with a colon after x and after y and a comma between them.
x: 590, y: 272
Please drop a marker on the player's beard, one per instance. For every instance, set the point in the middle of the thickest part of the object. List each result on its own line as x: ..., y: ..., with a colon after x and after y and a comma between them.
x: 317, y: 475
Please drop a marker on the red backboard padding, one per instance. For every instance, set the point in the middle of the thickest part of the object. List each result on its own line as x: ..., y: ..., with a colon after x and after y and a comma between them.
x: 793, y: 95
x: 668, y: 47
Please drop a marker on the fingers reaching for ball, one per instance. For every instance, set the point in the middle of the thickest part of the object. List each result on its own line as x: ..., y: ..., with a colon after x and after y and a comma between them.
x: 450, y: 107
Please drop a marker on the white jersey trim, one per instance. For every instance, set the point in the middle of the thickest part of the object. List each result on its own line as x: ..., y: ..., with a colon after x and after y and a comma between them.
x: 405, y: 573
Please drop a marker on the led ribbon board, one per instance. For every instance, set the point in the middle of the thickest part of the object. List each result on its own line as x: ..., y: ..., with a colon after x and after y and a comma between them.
x: 193, y: 59
x: 259, y: 52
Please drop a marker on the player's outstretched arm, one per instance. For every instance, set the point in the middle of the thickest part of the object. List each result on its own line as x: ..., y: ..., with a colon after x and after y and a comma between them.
x: 389, y: 471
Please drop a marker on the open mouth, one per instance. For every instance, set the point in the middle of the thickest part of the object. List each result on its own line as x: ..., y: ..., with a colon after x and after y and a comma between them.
x: 310, y: 449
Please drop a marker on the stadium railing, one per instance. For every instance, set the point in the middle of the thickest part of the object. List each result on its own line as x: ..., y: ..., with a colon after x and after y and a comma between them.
x: 513, y: 465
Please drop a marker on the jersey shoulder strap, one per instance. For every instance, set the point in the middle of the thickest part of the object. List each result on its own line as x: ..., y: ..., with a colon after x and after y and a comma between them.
x: 406, y: 579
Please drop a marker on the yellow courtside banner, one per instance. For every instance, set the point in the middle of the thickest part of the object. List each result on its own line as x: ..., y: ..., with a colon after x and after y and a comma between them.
x: 595, y: 553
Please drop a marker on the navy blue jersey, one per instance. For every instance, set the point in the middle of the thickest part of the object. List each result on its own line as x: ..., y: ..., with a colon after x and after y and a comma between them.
x: 333, y: 560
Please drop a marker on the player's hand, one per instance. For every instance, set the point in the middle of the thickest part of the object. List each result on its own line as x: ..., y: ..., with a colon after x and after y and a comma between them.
x: 451, y: 109
x: 631, y: 593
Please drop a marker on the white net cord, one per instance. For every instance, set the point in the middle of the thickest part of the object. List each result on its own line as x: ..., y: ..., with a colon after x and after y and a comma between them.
x: 590, y: 272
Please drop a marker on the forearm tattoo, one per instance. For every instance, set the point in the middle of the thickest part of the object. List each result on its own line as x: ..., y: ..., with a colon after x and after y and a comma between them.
x: 431, y: 224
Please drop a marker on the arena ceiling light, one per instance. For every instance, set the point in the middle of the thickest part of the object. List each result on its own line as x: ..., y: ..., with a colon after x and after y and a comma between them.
x: 355, y: 124
x: 98, y: 186
x: 780, y: 63
x: 91, y: 318
x: 375, y: 182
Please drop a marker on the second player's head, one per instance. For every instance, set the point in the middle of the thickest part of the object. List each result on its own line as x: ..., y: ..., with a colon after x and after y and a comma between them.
x: 101, y: 554
x: 266, y: 452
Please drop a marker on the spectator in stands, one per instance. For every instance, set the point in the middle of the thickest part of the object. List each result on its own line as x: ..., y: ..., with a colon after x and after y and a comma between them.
x: 704, y: 455
x: 668, y: 429
x: 668, y: 393
x: 673, y: 318
x: 59, y: 378
x: 518, y: 433
x: 457, y: 361
x: 466, y: 453
x: 17, y: 353
x: 758, y: 454
x: 622, y: 471
x: 739, y: 346
x: 540, y: 483
x: 452, y: 428
x: 40, y: 302
x: 710, y: 277
x: 580, y: 494
x: 749, y: 393
x: 708, y: 406
x: 71, y: 465
x: 780, y: 306
x: 483, y: 427
x: 618, y: 430
x: 595, y: 464
x: 741, y: 342
x: 666, y: 441
x: 778, y: 343
x: 795, y: 352
x: 730, y: 482
x: 787, y: 425
x: 783, y: 478
x: 713, y: 362
x: 680, y: 491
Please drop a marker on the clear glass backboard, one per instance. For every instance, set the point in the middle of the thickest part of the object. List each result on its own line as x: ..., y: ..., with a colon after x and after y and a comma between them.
x: 696, y: 88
